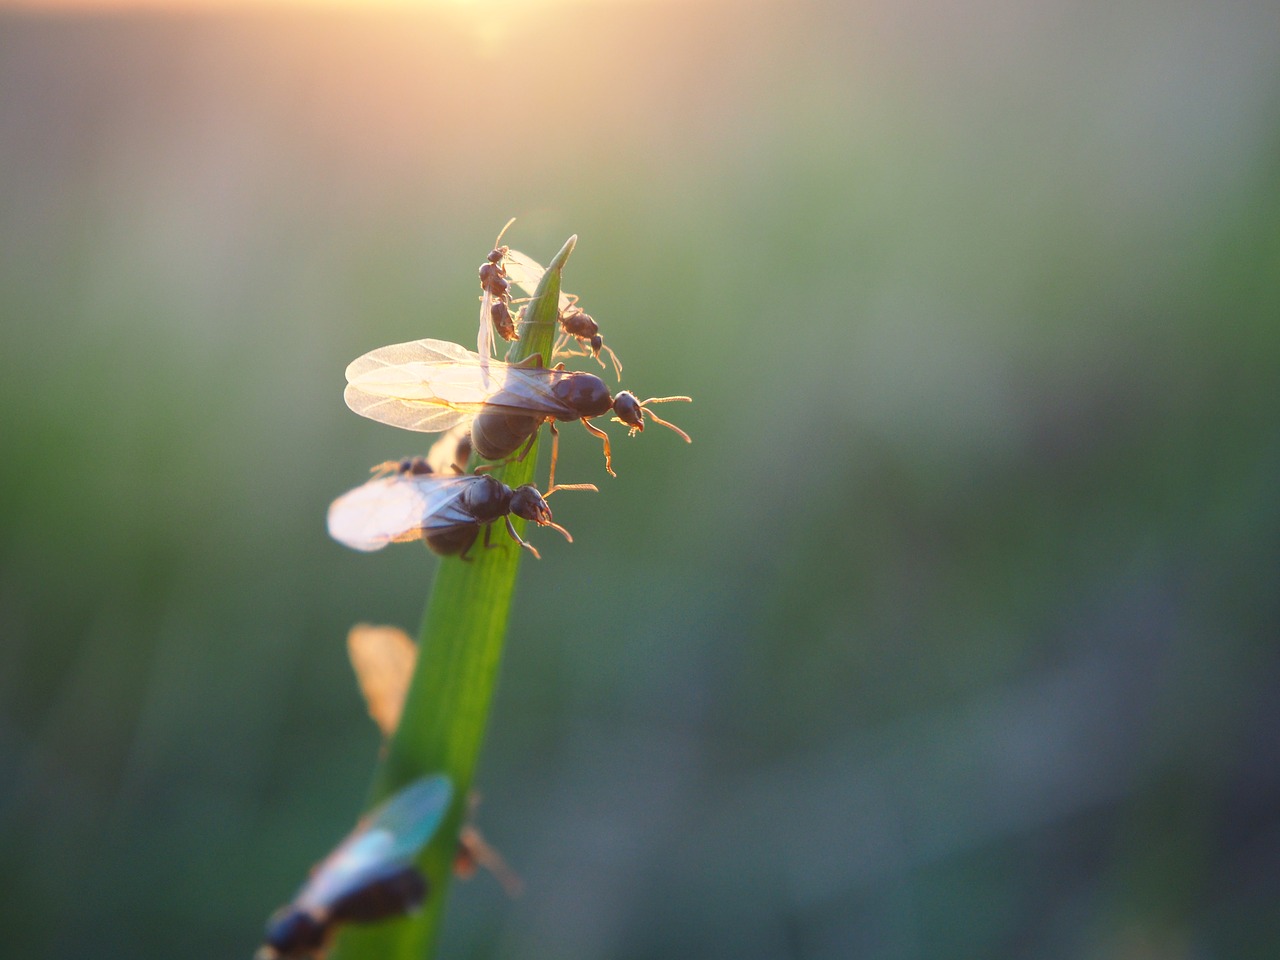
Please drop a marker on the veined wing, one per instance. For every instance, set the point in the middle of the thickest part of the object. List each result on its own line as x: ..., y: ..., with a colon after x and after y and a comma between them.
x: 396, y: 508
x: 526, y: 273
x: 419, y: 370
x: 432, y: 385
x: 391, y: 834
x: 423, y: 416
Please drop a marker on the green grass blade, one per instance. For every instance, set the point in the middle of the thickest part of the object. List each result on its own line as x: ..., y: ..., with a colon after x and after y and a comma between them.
x: 447, y: 708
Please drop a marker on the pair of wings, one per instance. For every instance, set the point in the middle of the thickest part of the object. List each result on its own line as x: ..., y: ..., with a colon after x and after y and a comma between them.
x: 433, y: 385
x: 399, y: 508
x: 390, y: 835
x: 524, y: 272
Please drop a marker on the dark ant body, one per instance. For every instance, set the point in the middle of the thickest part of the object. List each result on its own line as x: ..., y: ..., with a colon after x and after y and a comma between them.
x: 433, y: 385
x: 495, y: 300
x: 502, y: 426
x: 411, y: 501
x: 370, y: 876
x: 575, y: 323
x: 579, y: 325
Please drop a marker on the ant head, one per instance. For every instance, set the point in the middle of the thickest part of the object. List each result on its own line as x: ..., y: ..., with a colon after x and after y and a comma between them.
x: 584, y: 392
x: 629, y: 411
x: 527, y: 502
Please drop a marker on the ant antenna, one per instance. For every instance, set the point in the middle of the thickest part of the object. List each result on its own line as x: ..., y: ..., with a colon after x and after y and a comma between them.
x: 501, y: 232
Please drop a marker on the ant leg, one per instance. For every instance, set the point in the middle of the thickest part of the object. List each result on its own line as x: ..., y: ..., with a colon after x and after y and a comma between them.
x: 486, y: 467
x: 463, y: 555
x: 564, y: 351
x: 474, y: 851
x: 608, y: 458
x: 527, y: 447
x: 555, y: 455
x: 516, y: 537
x: 617, y: 364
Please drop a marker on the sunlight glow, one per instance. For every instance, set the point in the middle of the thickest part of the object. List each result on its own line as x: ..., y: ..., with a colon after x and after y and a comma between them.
x: 73, y: 6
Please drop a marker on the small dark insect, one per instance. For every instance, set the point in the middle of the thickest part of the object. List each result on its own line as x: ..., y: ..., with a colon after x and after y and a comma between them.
x: 575, y: 323
x: 370, y: 876
x: 495, y: 297
x: 410, y: 501
x: 431, y: 385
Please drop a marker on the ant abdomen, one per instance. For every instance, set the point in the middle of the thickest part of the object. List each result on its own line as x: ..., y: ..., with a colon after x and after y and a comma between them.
x: 497, y: 433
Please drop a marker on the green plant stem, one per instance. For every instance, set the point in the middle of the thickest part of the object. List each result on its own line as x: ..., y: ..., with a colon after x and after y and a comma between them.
x: 460, y: 649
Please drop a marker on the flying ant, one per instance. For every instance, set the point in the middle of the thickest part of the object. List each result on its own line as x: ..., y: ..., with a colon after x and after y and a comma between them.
x: 369, y: 876
x: 431, y: 385
x: 409, y: 501
x: 575, y: 323
x: 495, y: 297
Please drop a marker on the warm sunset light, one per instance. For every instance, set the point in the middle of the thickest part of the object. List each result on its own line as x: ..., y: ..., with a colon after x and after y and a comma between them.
x: 940, y: 623
x: 206, y: 5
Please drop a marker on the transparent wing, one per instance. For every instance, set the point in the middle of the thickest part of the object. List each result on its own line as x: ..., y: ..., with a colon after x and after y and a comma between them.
x: 424, y: 416
x: 432, y: 385
x: 526, y: 273
x: 428, y: 370
x: 383, y: 659
x: 484, y: 339
x: 397, y: 508
x: 452, y: 449
x: 391, y: 834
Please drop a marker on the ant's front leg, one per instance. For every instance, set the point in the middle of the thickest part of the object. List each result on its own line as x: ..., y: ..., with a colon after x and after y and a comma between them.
x: 608, y: 458
x: 516, y: 537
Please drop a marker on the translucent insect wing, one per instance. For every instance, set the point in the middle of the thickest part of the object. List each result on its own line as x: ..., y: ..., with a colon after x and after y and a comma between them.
x: 412, y: 351
x: 444, y: 495
x: 397, y: 508
x: 423, y: 416
x: 377, y: 512
x: 433, y: 385
x: 393, y: 833
x: 526, y: 273
x: 484, y: 339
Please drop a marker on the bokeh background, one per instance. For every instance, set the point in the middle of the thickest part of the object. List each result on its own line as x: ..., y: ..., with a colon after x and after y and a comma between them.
x: 953, y: 634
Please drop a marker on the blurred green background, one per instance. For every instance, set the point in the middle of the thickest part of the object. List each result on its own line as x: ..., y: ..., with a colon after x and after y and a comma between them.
x: 953, y: 634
